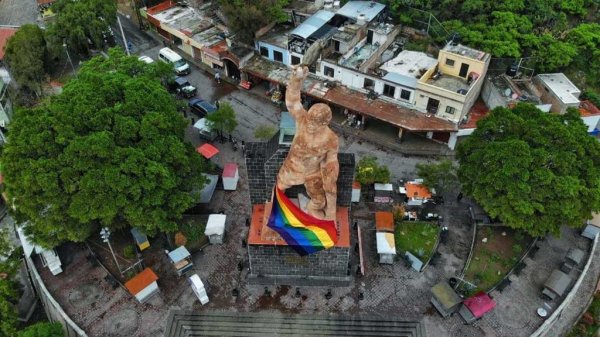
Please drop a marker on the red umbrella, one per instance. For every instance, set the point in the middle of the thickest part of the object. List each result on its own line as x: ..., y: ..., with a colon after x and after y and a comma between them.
x: 207, y: 150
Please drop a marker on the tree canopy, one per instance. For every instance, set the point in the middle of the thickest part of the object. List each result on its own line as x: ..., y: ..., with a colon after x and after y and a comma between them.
x: 222, y: 120
x: 42, y: 329
x: 533, y: 170
x: 25, y: 54
x: 441, y: 175
x: 108, y: 151
x: 245, y: 17
x: 368, y: 171
x: 76, y: 21
x: 8, y: 267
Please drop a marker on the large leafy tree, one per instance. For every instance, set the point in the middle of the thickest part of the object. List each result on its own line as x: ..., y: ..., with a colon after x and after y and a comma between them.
x: 42, y: 329
x: 108, y: 151
x: 439, y: 175
x: 533, y: 170
x: 245, y: 17
x: 77, y: 21
x: 25, y: 54
x: 8, y: 267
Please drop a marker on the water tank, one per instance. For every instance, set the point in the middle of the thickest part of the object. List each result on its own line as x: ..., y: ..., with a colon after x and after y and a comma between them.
x: 328, y: 4
x: 336, y: 3
x: 512, y: 70
x: 361, y: 19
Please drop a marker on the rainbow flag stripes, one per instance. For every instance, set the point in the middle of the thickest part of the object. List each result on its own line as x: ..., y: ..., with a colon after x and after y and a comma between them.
x: 301, y: 231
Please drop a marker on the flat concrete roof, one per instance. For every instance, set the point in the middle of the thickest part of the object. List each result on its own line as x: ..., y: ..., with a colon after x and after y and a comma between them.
x: 405, y: 68
x: 353, y: 9
x: 465, y: 51
x: 561, y: 86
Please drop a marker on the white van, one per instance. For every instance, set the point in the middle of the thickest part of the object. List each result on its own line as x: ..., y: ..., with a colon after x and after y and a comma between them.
x: 169, y: 56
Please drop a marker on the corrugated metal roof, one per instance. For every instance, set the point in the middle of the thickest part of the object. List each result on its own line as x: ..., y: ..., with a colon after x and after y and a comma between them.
x: 312, y: 24
x: 354, y: 8
x: 410, y: 82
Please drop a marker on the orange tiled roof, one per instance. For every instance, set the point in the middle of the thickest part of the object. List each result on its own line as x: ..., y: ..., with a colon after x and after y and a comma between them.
x: 477, y: 112
x: 384, y: 221
x: 356, y: 185
x: 141, y: 281
x: 415, y: 190
x: 587, y: 108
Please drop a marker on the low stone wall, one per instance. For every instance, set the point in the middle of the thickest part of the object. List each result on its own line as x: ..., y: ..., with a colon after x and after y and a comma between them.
x: 269, y: 263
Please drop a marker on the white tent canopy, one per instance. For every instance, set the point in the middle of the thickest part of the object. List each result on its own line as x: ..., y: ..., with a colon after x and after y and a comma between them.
x: 385, y: 243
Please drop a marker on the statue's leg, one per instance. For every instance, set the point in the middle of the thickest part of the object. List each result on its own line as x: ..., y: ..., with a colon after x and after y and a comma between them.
x: 316, y: 193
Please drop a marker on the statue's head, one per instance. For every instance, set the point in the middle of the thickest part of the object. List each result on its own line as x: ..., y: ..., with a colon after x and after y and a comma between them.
x: 318, y: 117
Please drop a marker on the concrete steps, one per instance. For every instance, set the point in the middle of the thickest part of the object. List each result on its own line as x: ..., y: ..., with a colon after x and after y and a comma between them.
x: 191, y: 324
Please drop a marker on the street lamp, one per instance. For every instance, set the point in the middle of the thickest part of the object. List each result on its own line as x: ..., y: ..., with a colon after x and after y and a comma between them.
x: 68, y: 56
x: 105, y: 234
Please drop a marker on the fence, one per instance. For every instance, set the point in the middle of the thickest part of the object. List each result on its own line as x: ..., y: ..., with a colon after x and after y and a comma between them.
x: 53, y: 310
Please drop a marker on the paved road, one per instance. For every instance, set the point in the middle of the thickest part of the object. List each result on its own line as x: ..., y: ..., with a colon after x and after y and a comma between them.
x: 18, y: 12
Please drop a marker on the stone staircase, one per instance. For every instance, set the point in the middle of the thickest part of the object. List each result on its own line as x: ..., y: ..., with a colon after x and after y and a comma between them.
x: 190, y: 324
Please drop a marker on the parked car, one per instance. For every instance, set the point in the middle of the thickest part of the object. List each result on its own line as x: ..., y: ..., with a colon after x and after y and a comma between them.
x: 201, y: 107
x: 146, y: 59
x: 182, y: 87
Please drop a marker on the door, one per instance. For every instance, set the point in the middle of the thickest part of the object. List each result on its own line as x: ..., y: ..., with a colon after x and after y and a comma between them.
x: 432, y: 105
x: 464, y: 69
x: 370, y: 37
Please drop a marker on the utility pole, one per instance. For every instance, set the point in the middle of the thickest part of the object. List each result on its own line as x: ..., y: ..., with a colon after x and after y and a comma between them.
x: 105, y: 234
x: 69, y: 56
x: 123, y: 35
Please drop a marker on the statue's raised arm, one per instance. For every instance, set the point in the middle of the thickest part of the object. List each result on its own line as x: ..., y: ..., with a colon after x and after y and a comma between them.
x: 292, y: 93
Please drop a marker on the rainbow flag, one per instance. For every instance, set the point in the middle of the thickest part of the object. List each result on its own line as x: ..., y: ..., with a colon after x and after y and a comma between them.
x: 301, y: 231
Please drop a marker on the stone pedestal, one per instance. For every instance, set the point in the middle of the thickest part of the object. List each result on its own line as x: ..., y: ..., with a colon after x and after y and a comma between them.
x: 273, y: 261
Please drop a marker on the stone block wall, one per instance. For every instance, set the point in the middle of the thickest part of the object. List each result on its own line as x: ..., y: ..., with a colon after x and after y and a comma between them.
x: 283, y: 261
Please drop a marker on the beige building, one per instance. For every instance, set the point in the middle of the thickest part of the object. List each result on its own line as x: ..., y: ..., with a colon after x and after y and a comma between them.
x: 451, y: 87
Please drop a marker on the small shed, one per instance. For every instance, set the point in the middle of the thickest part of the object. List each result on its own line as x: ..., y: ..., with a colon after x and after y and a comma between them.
x: 181, y: 259
x: 355, y: 191
x: 143, y: 285
x: 141, y: 240
x: 592, y: 227
x: 386, y: 247
x: 230, y: 176
x: 417, y: 193
x: 384, y: 222
x: 556, y: 285
x: 445, y: 299
x: 476, y: 306
x: 384, y: 193
x: 198, y: 288
x: 215, y: 228
x: 573, y: 259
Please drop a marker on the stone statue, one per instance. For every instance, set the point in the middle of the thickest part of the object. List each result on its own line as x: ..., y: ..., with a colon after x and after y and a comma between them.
x: 312, y: 159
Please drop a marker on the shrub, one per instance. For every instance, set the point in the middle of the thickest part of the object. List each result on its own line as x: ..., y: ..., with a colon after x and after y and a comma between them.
x: 516, y: 248
x: 264, y: 132
x: 129, y: 252
x: 180, y: 239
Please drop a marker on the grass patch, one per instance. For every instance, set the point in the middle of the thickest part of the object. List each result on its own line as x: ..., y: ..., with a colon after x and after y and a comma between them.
x: 494, y: 259
x: 416, y: 237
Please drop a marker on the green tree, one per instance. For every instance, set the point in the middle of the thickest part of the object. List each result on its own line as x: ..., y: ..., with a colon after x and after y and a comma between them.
x: 368, y: 171
x: 441, y: 175
x: 108, y: 151
x: 245, y: 17
x: 42, y: 329
x: 222, y: 120
x: 534, y: 171
x: 8, y: 267
x: 77, y: 21
x: 264, y: 132
x: 25, y: 55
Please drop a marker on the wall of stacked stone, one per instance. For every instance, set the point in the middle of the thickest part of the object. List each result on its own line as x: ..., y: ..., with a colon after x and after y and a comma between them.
x: 284, y: 261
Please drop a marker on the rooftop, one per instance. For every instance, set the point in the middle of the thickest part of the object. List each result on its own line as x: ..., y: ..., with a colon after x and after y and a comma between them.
x: 354, y: 100
x: 166, y: 14
x: 370, y: 9
x: 312, y: 24
x: 561, y: 86
x: 448, y: 82
x: 477, y: 112
x: 358, y: 57
x: 278, y: 36
x: 465, y: 51
x: 521, y: 90
x: 5, y: 34
x: 407, y: 67
x: 587, y: 108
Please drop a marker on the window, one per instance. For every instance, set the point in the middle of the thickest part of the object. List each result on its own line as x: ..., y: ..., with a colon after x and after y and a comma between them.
x: 450, y: 62
x: 369, y: 84
x: 295, y: 60
x: 336, y: 45
x: 264, y: 52
x: 389, y: 90
x: 277, y: 56
x: 405, y: 95
x: 328, y: 71
x: 450, y: 110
